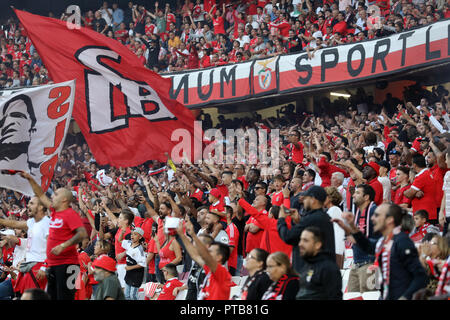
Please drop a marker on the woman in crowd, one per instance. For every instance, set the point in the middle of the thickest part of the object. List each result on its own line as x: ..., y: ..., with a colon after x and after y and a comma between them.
x: 432, y: 256
x: 285, y: 281
x: 258, y: 280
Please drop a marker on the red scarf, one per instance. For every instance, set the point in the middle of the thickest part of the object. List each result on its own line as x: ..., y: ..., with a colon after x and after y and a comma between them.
x: 444, y: 280
x: 383, y: 249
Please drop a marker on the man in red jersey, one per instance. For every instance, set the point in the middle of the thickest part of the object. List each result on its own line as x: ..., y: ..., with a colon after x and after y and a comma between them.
x: 423, y: 189
x: 217, y: 283
x: 66, y: 231
x: 370, y: 174
x: 295, y: 147
x: 172, y: 282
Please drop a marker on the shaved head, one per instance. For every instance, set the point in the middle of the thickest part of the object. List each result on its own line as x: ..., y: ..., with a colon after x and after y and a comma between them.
x: 61, y: 199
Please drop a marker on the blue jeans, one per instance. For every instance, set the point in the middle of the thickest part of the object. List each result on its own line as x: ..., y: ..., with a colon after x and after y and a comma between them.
x: 6, y: 290
x: 131, y: 292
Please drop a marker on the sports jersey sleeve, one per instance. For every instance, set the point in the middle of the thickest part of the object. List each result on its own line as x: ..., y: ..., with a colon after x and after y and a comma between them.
x: 74, y: 221
x: 126, y: 244
x: 418, y: 183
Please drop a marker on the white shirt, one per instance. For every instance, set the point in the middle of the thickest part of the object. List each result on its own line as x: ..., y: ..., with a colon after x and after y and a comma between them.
x: 37, y: 239
x: 136, y: 253
x: 339, y: 233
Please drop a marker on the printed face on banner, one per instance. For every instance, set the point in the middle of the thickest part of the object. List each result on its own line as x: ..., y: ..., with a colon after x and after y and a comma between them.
x: 33, y: 124
x: 17, y: 122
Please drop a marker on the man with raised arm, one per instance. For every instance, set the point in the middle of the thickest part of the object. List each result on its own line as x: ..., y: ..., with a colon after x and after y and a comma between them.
x: 65, y: 232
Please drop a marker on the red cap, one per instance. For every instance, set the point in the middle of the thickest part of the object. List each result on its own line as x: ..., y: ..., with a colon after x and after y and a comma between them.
x: 105, y: 262
x: 374, y: 166
x: 215, y: 192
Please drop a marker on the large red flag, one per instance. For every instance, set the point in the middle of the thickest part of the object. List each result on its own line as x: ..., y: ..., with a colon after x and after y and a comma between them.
x: 123, y: 109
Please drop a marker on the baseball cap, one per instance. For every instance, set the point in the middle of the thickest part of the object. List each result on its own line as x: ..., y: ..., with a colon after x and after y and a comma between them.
x: 316, y: 192
x: 105, y: 262
x: 374, y: 166
x: 139, y: 231
x: 423, y: 139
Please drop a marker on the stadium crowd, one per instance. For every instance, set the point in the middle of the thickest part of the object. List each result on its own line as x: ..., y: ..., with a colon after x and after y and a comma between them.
x: 365, y: 178
x: 208, y: 33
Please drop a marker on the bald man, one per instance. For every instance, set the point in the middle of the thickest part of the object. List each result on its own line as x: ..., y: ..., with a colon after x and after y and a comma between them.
x: 65, y: 232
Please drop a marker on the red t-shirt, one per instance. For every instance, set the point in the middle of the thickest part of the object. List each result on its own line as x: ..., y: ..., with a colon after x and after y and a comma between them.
x: 151, y: 248
x: 244, y: 181
x: 340, y: 27
x: 425, y: 183
x: 146, y: 225
x: 219, y: 25
x: 296, y: 154
x: 121, y: 35
x: 219, y: 206
x: 438, y: 176
x: 170, y: 18
x: 400, y: 198
x: 277, y: 198
x: 378, y: 187
x: 160, y: 232
x: 118, y: 246
x: 62, y: 228
x: 233, y: 236
x: 167, y: 290
x: 216, y: 285
x: 254, y: 239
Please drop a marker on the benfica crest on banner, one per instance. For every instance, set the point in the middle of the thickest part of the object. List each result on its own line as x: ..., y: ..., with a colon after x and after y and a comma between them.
x: 33, y: 126
x: 122, y: 108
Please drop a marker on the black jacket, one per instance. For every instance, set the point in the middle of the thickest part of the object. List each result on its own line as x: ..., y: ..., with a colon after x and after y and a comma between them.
x: 255, y: 286
x: 320, y: 279
x: 153, y: 52
x: 318, y: 218
x: 407, y: 274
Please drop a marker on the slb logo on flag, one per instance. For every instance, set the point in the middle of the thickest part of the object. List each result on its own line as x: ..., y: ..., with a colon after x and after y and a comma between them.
x: 122, y: 108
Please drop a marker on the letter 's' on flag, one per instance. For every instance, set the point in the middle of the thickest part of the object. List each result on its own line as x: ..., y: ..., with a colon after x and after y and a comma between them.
x: 123, y: 109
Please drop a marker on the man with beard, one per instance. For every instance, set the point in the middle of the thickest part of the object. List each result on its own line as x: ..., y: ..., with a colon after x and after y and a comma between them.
x: 165, y: 210
x: 364, y: 210
x: 320, y: 278
x: 396, y: 256
x: 17, y: 122
x: 37, y: 226
x: 313, y: 201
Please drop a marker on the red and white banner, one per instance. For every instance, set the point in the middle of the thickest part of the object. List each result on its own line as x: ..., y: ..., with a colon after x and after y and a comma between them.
x: 33, y: 127
x: 348, y: 63
x: 123, y: 109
